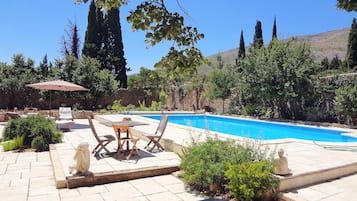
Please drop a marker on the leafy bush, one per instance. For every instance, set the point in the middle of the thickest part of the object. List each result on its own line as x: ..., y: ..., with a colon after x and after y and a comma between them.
x: 13, y: 144
x: 248, y: 181
x: 205, y: 163
x: 39, y: 144
x: 117, y: 106
x: 345, y: 101
x: 31, y: 127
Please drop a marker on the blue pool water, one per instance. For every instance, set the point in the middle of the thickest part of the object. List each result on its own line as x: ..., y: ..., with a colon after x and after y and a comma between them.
x: 257, y: 129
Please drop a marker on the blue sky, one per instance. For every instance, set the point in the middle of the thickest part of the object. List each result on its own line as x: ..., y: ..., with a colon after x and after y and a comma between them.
x: 36, y: 27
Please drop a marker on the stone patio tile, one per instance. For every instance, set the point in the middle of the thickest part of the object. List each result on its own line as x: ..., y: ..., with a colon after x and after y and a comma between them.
x: 91, y: 197
x: 41, y: 181
x: 68, y: 193
x: 42, y: 191
x: 150, y: 188
x: 101, y: 168
x: 16, y: 197
x: 164, y: 196
x: 190, y: 197
x: 11, y: 175
x: 18, y: 166
x: 311, y: 194
x: 41, y: 172
x: 19, y: 182
x: 167, y: 179
x: 9, y: 158
x: 92, y: 190
x: 3, y: 168
x: 176, y: 188
x: 141, y: 181
x: 51, y: 197
x: 327, y: 188
x: 123, y: 189
x: 5, y: 183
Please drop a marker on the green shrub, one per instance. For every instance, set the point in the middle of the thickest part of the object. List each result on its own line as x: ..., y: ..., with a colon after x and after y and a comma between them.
x: 39, y: 143
x: 8, y: 145
x: 117, y: 106
x: 155, y: 106
x: 16, y: 143
x: 205, y: 163
x: 31, y: 127
x: 248, y: 181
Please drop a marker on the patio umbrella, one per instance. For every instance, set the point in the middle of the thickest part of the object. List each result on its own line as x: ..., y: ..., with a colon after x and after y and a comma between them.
x: 57, y: 85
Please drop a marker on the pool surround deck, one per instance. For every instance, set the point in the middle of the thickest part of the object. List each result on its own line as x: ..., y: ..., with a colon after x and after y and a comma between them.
x: 310, y: 162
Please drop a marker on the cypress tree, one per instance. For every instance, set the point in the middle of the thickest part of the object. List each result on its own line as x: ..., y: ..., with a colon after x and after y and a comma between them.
x: 75, y: 42
x: 43, y: 69
x: 102, y: 38
x: 352, y: 45
x: 115, y: 48
x: 258, y: 36
x: 274, y: 30
x: 241, y: 51
x: 90, y: 46
x: 325, y: 63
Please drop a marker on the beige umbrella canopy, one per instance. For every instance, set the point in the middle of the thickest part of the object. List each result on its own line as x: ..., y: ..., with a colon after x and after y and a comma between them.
x: 57, y: 85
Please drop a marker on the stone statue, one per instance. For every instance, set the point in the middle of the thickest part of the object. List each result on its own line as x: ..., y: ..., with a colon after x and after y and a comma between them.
x: 281, y: 164
x: 82, y: 158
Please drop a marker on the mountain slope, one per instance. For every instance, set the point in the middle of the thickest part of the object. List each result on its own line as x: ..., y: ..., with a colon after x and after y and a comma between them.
x: 327, y: 44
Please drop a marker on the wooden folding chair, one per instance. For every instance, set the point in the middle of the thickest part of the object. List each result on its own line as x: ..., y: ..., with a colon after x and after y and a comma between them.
x: 154, y: 139
x: 128, y: 138
x: 103, y: 140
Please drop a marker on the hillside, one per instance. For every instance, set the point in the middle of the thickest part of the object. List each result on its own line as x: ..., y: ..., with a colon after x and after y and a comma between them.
x: 327, y: 44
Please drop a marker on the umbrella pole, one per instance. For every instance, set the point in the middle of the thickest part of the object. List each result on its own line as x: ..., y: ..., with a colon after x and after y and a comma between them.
x: 49, y: 113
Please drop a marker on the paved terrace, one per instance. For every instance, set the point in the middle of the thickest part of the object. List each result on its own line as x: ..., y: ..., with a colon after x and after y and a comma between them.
x: 30, y: 176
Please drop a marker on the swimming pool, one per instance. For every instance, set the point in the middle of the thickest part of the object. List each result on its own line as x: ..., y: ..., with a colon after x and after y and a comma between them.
x: 262, y: 130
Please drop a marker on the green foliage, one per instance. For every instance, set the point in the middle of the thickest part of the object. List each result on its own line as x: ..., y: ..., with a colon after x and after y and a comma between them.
x: 345, y: 103
x: 352, y: 45
x: 252, y: 110
x: 220, y: 83
x: 258, y: 36
x: 105, y: 4
x: 116, y: 106
x: 241, y: 50
x: 100, y: 82
x: 249, y: 180
x: 163, y: 97
x: 39, y: 144
x: 147, y: 80
x: 348, y: 5
x: 205, y: 163
x: 161, y: 24
x: 279, y: 77
x: 155, y: 106
x: 13, y: 144
x: 32, y: 127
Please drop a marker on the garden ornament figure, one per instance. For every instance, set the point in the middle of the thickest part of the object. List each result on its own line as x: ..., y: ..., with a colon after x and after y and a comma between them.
x: 82, y: 158
x: 281, y: 164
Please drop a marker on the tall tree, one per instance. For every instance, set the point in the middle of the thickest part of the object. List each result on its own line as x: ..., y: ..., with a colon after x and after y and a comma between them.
x: 241, y: 51
x: 286, y: 86
x: 153, y: 17
x: 115, y: 49
x: 102, y: 40
x: 43, y: 69
x: 75, y: 42
x: 258, y: 36
x: 274, y: 30
x: 71, y: 43
x: 352, y: 45
x: 90, y: 46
